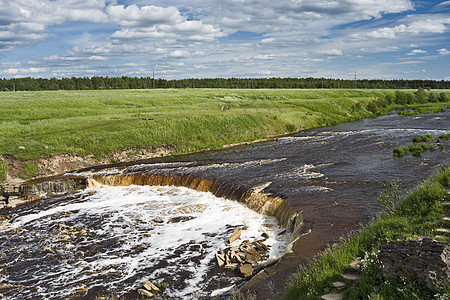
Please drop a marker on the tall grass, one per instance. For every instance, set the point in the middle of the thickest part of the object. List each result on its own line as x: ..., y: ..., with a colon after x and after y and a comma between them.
x: 416, y: 214
x: 99, y: 122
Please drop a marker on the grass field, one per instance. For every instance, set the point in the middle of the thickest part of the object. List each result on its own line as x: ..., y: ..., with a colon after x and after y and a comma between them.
x: 37, y: 124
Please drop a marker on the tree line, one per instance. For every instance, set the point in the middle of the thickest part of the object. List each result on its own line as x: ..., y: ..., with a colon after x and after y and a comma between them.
x: 420, y: 96
x: 101, y: 83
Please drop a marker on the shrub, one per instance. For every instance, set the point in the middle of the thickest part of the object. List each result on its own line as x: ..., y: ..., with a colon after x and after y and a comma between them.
x: 416, y: 150
x: 423, y: 138
x: 445, y: 136
x: 399, y: 152
x: 372, y: 107
x: 421, y: 95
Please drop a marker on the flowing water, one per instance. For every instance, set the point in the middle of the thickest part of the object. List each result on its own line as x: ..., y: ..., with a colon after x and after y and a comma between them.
x: 115, y: 238
x: 112, y: 240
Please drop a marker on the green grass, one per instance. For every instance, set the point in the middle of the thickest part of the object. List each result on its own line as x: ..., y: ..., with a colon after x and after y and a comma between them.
x: 100, y: 122
x: 3, y: 170
x: 30, y: 169
x: 417, y: 214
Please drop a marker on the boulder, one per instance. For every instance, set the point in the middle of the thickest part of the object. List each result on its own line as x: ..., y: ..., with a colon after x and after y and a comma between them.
x: 220, y: 256
x: 243, y: 257
x: 151, y: 287
x: 235, y: 235
x: 145, y: 293
x: 246, y: 270
x: 426, y: 260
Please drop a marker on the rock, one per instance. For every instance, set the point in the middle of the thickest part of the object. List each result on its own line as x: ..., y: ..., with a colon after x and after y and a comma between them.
x: 425, y: 260
x: 231, y: 266
x: 145, y: 293
x: 356, y: 264
x: 6, y: 286
x: 151, y: 287
x: 332, y: 296
x: 81, y: 291
x: 265, y: 236
x: 352, y: 277
x: 235, y: 235
x: 47, y: 250
x: 243, y: 256
x: 246, y: 270
x: 220, y: 256
x: 339, y: 285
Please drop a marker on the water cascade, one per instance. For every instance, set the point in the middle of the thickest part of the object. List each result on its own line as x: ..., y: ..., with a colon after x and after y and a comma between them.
x: 254, y: 199
x: 121, y: 229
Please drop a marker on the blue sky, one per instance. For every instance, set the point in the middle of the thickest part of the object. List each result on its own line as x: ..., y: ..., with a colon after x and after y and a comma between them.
x: 382, y: 39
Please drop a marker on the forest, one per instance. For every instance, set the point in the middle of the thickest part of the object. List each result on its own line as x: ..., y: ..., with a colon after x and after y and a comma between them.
x: 104, y: 83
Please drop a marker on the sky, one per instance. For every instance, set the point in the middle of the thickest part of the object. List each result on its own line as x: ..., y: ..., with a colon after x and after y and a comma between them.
x: 376, y: 39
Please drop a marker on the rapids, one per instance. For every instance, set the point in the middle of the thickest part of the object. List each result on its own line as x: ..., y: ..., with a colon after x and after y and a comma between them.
x: 114, y: 239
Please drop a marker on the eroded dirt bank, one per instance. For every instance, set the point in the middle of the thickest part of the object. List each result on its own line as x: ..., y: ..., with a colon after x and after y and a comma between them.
x: 21, y: 170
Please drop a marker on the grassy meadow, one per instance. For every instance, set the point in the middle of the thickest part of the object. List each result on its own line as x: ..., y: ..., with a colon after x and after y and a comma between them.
x: 38, y: 124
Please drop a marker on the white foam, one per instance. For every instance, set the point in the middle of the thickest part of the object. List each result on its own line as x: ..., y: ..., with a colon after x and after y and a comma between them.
x: 159, y: 221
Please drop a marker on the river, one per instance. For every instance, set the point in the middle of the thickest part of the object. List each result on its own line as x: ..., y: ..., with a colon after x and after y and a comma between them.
x: 332, y: 175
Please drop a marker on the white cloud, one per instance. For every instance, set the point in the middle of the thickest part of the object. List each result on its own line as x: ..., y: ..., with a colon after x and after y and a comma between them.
x: 414, y: 28
x: 442, y: 4
x: 443, y: 51
x: 146, y: 16
x: 159, y: 23
x: 22, y: 72
x: 331, y: 52
x: 265, y: 56
x: 267, y: 40
x: 275, y: 16
x: 379, y: 49
x: 417, y: 51
x: 178, y: 54
x: 24, y: 21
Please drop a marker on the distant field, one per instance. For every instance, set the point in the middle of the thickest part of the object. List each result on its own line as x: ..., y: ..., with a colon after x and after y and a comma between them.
x: 101, y: 122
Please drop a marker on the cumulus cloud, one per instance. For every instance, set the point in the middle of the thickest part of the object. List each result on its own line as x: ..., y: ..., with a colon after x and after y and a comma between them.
x: 443, y: 51
x: 267, y: 15
x: 132, y: 16
x: 267, y: 40
x: 414, y: 28
x: 178, y: 54
x: 155, y: 22
x: 23, y: 21
x: 417, y: 51
x: 290, y: 37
